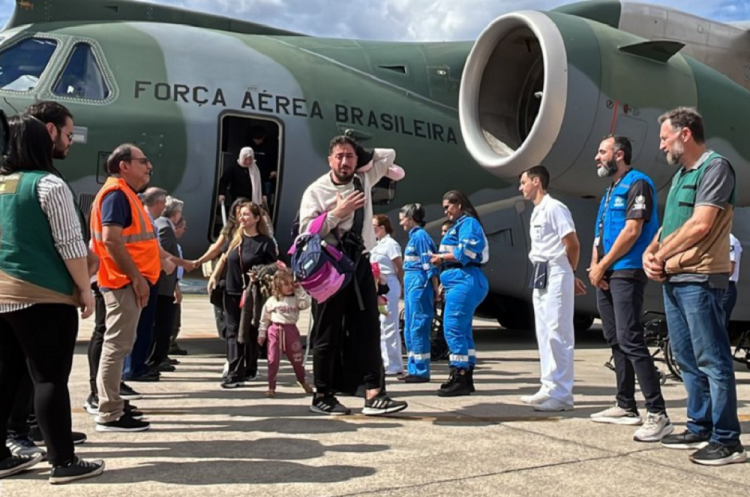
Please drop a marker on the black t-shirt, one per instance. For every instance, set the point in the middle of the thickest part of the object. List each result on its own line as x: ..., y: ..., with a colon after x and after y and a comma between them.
x: 640, y: 205
x: 256, y: 251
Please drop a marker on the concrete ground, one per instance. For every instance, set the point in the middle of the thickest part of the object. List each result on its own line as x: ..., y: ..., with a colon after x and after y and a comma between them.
x: 208, y: 441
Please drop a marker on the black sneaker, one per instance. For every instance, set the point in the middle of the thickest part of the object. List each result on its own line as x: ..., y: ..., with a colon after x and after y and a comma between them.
x: 165, y: 367
x: 227, y: 383
x: 78, y: 437
x: 92, y: 404
x: 125, y: 424
x: 133, y: 411
x: 415, y: 379
x: 36, y: 436
x: 716, y: 454
x: 685, y: 440
x: 77, y: 469
x: 15, y: 464
x: 127, y: 393
x: 177, y: 350
x: 382, y: 404
x: 329, y: 405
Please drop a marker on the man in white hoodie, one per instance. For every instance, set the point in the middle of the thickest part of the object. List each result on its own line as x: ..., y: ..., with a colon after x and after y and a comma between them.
x: 344, y: 194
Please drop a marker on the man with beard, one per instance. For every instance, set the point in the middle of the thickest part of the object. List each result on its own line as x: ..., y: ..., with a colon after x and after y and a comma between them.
x: 343, y: 195
x: 22, y: 428
x: 691, y: 255
x: 626, y: 224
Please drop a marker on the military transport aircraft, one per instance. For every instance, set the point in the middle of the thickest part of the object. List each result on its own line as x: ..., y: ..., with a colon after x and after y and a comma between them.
x: 536, y: 87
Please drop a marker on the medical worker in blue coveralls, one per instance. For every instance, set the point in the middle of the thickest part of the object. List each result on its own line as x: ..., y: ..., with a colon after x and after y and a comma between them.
x: 420, y: 290
x: 463, y: 252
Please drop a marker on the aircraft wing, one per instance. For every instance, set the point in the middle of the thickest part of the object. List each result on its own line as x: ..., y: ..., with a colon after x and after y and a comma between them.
x: 41, y: 11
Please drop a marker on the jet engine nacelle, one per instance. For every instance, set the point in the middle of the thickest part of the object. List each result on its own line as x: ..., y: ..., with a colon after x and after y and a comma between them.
x: 546, y: 88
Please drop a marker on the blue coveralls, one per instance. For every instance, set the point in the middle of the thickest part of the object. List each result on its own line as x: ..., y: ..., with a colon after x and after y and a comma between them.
x: 465, y: 287
x: 419, y: 297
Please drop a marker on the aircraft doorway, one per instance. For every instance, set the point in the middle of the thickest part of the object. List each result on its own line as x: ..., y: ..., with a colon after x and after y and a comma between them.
x: 265, y: 137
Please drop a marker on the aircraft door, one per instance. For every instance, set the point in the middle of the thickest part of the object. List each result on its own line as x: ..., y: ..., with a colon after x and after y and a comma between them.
x: 265, y: 137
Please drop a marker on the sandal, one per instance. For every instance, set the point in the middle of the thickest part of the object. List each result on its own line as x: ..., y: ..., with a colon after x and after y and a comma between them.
x: 305, y: 386
x: 271, y: 394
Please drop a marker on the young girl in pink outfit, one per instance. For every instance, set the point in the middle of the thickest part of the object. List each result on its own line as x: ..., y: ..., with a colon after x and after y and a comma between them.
x: 278, y: 322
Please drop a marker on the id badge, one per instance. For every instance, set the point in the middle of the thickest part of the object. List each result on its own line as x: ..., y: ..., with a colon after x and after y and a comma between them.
x: 539, y: 275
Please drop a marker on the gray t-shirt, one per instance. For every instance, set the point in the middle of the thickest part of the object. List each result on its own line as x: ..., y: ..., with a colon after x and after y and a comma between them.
x: 715, y: 189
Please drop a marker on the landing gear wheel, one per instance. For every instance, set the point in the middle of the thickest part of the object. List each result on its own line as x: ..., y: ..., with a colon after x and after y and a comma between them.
x: 582, y: 322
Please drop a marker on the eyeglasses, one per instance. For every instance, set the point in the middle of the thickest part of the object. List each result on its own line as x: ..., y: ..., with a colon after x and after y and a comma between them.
x: 142, y: 160
x: 446, y: 207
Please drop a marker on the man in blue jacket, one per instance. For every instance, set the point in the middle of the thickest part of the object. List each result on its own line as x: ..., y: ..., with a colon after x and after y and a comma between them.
x: 626, y: 224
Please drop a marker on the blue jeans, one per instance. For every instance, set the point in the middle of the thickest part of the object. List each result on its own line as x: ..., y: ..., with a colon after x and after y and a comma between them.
x: 700, y: 343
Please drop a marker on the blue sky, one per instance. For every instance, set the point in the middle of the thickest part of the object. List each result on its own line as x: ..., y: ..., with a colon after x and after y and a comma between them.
x: 433, y: 20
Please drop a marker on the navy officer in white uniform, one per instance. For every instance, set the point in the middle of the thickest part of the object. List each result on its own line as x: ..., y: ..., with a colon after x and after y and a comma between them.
x: 555, y: 251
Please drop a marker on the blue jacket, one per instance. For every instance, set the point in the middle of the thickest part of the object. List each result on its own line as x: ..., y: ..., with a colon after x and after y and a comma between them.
x: 614, y: 216
x: 418, y: 251
x: 467, y: 242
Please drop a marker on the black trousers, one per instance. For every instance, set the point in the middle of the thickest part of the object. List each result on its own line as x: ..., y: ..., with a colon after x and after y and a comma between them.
x: 221, y: 322
x: 97, y: 337
x: 163, y: 324
x: 620, y: 309
x: 176, y: 326
x: 341, y: 326
x: 242, y: 358
x: 40, y: 339
x: 19, y: 422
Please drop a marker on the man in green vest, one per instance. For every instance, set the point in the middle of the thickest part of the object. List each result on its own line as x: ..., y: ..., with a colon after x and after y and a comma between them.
x: 690, y: 254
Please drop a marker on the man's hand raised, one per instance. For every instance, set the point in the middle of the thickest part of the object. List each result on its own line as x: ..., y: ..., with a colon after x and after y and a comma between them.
x: 346, y: 206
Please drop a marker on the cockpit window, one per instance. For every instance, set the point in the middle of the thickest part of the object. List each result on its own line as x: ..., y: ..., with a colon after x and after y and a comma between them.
x: 22, y: 64
x: 82, y: 77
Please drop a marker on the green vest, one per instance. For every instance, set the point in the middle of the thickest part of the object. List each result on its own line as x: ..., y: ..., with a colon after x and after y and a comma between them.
x: 27, y: 248
x: 681, y: 199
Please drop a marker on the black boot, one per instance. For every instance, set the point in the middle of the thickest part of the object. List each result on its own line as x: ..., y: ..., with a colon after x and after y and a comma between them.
x: 470, y: 377
x: 450, y: 378
x: 458, y: 386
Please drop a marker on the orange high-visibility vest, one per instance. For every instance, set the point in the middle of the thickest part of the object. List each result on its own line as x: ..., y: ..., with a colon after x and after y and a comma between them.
x: 140, y: 240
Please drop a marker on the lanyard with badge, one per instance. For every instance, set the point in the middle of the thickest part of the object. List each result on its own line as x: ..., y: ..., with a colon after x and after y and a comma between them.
x: 600, y: 230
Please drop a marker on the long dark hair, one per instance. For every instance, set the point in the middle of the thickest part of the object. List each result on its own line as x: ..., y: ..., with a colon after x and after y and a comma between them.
x: 414, y: 211
x: 29, y: 146
x: 460, y: 198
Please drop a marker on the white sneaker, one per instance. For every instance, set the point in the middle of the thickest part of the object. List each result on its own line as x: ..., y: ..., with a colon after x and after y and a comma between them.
x: 553, y: 405
x: 617, y: 416
x: 535, y: 399
x: 656, y: 427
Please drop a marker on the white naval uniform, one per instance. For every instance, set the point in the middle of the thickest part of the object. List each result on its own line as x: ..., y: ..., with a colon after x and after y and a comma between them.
x: 554, y: 306
x: 384, y: 253
x: 735, y: 255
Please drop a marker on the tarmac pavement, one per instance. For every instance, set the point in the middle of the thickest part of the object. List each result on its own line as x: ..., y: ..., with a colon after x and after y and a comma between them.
x: 207, y: 441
